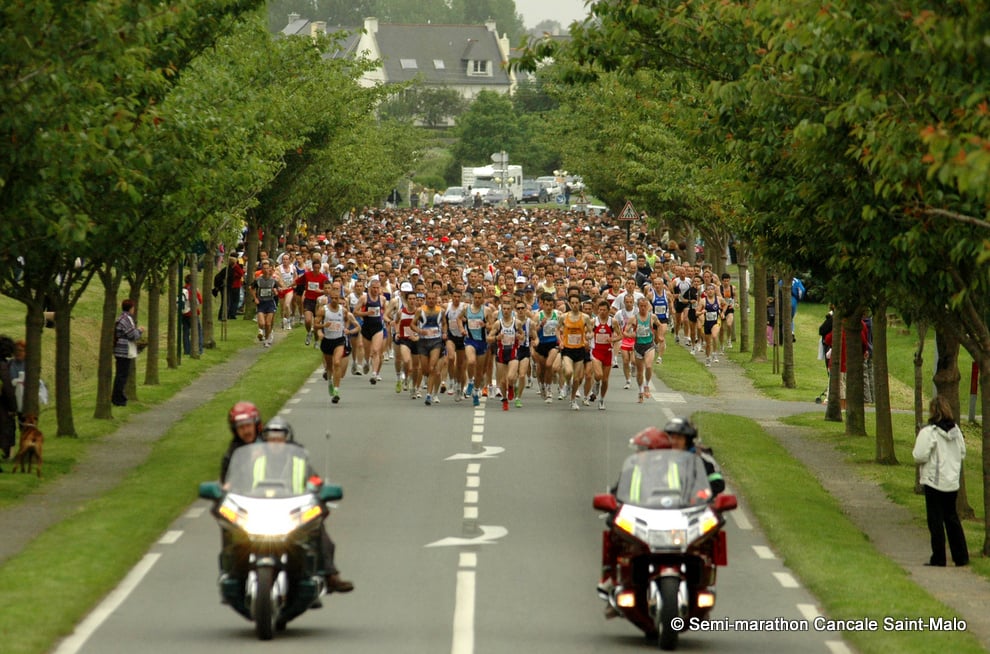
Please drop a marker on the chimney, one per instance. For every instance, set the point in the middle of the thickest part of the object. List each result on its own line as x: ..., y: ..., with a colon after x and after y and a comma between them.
x: 490, y: 24
x: 293, y: 17
x: 317, y: 28
x: 371, y: 25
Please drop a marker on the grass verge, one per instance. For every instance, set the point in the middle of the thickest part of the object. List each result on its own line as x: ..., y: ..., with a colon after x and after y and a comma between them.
x: 816, y: 540
x: 50, y: 586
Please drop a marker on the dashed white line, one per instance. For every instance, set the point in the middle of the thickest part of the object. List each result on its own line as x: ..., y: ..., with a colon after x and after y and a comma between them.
x: 786, y: 580
x: 742, y: 522
x: 195, y: 512
x: 470, y: 513
x: 808, y: 611
x: 837, y: 647
x: 474, y: 468
x: 169, y: 537
x: 470, y: 497
x: 473, y: 481
x: 463, y: 640
x: 468, y: 560
x: 763, y: 552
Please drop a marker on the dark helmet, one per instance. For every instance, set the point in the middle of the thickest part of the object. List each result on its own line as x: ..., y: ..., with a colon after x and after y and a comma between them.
x: 244, y: 412
x: 684, y: 427
x: 650, y: 438
x: 277, y: 428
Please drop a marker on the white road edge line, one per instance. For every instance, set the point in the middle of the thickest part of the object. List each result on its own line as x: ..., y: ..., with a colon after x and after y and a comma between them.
x: 837, y: 647
x: 463, y: 638
x: 742, y: 522
x: 170, y: 537
x: 764, y: 552
x: 92, y: 622
x: 809, y: 611
x: 786, y: 580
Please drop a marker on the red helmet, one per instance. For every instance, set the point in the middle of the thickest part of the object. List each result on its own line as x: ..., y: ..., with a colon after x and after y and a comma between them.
x: 244, y: 412
x: 650, y: 438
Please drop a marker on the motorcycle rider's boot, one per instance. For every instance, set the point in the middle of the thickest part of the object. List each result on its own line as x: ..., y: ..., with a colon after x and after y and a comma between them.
x: 337, y: 585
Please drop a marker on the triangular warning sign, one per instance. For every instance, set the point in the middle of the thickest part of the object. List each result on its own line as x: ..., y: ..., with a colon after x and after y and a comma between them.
x: 628, y: 213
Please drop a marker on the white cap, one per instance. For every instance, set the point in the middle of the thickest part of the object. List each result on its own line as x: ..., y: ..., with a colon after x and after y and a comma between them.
x: 520, y: 279
x: 406, y: 287
x: 414, y: 271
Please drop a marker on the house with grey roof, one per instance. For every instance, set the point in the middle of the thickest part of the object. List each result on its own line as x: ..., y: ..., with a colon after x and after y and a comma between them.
x: 466, y: 58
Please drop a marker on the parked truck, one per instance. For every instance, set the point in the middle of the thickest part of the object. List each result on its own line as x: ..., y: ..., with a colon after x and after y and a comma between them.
x: 484, y: 178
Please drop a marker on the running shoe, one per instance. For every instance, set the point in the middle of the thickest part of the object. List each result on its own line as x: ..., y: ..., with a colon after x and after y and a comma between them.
x: 373, y: 380
x: 627, y: 385
x: 549, y: 399
x: 475, y: 400
x: 714, y: 358
x: 601, y: 405
x: 356, y: 371
x: 335, y: 399
x: 708, y: 362
x: 429, y: 400
x: 469, y: 391
x: 505, y: 405
x: 560, y: 393
x: 574, y: 406
x: 419, y: 394
x: 640, y: 400
x: 331, y: 388
x: 398, y: 385
x: 484, y: 392
x: 518, y: 404
x: 646, y: 393
x: 443, y: 387
x: 261, y: 334
x: 309, y: 338
x: 585, y: 402
x: 592, y: 396
x: 366, y: 368
x: 498, y: 392
x: 512, y: 393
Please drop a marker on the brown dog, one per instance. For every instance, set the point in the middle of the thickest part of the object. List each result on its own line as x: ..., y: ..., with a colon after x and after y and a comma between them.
x: 32, y: 441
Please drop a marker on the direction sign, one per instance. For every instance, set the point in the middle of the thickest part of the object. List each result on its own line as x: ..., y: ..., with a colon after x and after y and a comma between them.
x: 628, y: 213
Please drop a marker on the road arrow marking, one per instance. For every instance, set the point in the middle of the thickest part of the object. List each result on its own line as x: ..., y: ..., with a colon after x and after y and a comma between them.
x: 490, y: 452
x: 489, y: 534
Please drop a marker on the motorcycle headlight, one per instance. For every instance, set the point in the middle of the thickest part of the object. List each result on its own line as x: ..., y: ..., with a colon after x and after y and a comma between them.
x: 665, y: 539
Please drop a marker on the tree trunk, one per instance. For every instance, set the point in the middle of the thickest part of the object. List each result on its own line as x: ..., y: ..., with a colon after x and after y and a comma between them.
x: 63, y: 369
x: 34, y: 323
x: 194, y: 335
x: 251, y: 257
x: 209, y: 270
x: 152, y: 330
x: 833, y: 410
x: 946, y: 380
x: 172, y: 340
x: 852, y: 327
x: 919, y: 392
x: 742, y: 303
x: 881, y: 395
x: 110, y: 279
x: 135, y: 297
x: 759, y: 313
x: 983, y: 360
x: 784, y: 319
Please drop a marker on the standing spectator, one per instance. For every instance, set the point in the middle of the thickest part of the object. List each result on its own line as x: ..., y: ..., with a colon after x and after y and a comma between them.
x: 8, y: 400
x: 393, y: 199
x: 940, y: 449
x: 414, y: 200
x: 230, y: 279
x: 437, y: 198
x: 187, y: 317
x: 125, y: 336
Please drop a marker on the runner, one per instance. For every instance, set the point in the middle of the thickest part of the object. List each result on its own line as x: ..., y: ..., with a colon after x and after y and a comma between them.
x: 430, y: 344
x: 607, y: 332
x: 477, y: 318
x: 264, y: 290
x: 546, y: 353
x: 312, y: 284
x: 575, y: 338
x: 369, y: 311
x: 647, y: 328
x: 456, y: 361
x: 505, y: 335
x: 337, y: 325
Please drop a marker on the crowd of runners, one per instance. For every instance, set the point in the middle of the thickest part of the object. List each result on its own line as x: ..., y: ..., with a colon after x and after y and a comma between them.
x: 469, y: 303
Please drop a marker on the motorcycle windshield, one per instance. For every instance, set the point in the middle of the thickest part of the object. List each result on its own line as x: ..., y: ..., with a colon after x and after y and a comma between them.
x: 664, y: 479
x: 269, y: 470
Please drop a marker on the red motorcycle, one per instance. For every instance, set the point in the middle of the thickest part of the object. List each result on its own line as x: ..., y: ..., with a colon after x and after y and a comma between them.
x: 664, y: 545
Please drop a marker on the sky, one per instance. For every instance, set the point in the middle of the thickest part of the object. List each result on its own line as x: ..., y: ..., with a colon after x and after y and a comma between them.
x: 562, y: 11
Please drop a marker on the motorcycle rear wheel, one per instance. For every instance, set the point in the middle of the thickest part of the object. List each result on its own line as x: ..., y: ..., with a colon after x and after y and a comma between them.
x: 264, y: 609
x: 668, y: 611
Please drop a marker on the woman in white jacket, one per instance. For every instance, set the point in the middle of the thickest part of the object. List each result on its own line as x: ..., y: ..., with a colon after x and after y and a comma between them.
x: 940, y: 450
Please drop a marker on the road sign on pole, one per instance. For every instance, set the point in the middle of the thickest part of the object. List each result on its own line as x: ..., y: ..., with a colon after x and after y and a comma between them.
x: 627, y: 213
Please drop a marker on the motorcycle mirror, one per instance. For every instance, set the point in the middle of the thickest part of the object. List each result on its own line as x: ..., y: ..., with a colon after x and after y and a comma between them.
x: 210, y: 490
x: 331, y: 493
x: 607, y: 502
x: 725, y: 502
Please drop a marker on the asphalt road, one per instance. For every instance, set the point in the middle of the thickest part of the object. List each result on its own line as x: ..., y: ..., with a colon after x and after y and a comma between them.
x: 465, y: 530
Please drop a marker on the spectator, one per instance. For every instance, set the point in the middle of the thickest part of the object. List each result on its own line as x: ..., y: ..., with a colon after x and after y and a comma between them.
x: 125, y: 336
x: 939, y: 450
x: 8, y: 399
x: 186, y: 306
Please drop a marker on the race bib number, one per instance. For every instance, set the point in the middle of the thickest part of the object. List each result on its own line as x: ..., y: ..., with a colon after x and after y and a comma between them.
x: 711, y: 316
x: 312, y: 286
x: 374, y: 312
x: 603, y: 338
x: 431, y: 332
x: 475, y: 324
x: 265, y: 293
x: 574, y: 340
x: 550, y: 329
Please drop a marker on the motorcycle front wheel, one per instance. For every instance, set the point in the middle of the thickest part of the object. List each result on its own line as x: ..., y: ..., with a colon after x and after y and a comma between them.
x: 668, y: 611
x: 264, y: 609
